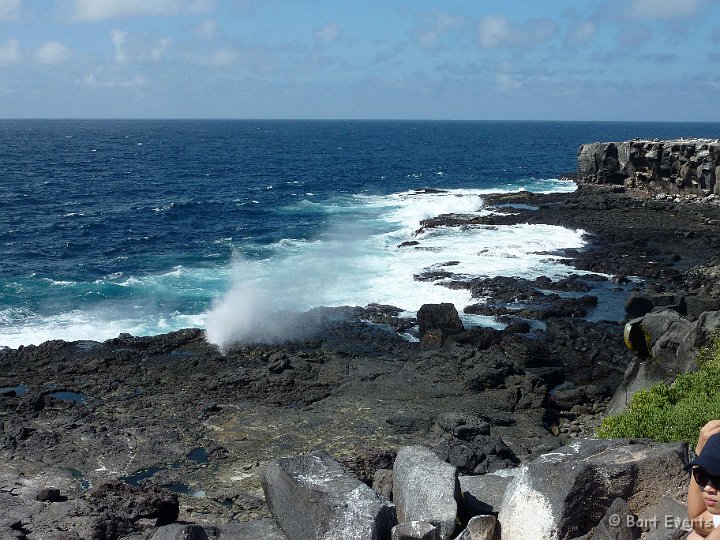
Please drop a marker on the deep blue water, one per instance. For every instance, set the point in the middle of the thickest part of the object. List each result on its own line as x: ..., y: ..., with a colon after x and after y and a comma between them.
x: 145, y: 226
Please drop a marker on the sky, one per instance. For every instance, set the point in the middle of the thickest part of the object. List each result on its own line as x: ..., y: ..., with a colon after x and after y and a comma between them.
x: 652, y: 60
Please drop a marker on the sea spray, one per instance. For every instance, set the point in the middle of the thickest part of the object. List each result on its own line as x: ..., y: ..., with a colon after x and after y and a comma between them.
x: 357, y: 261
x: 267, y: 299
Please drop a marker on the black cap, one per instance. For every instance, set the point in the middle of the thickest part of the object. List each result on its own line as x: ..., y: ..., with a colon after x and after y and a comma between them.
x: 709, y: 458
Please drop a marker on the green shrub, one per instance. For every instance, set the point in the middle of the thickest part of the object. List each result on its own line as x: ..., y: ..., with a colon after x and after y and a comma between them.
x: 674, y: 412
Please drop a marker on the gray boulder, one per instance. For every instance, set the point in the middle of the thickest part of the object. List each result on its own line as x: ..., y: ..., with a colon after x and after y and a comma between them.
x: 699, y: 304
x: 425, y: 488
x: 383, y: 482
x: 479, y: 528
x: 415, y: 530
x: 667, y: 519
x: 618, y: 523
x: 482, y: 494
x: 668, y: 345
x: 666, y: 333
x: 544, y: 500
x: 641, y: 303
x: 640, y: 373
x: 313, y: 498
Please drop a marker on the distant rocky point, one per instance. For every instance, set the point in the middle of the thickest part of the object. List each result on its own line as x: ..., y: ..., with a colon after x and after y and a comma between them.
x: 688, y: 166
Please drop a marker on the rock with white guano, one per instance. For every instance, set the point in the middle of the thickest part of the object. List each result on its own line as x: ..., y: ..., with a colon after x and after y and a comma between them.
x: 425, y: 489
x: 313, y: 498
x: 547, y: 496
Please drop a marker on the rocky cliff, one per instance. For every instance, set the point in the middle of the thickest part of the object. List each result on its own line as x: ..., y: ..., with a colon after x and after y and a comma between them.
x: 683, y: 165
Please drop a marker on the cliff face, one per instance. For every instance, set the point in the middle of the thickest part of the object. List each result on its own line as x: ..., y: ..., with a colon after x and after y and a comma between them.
x: 684, y: 165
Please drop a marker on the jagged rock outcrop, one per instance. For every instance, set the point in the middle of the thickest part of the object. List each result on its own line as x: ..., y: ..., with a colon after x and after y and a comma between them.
x: 436, y: 322
x: 566, y: 493
x: 682, y: 165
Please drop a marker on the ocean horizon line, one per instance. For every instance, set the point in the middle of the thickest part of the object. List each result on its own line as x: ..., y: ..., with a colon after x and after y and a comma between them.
x: 363, y: 120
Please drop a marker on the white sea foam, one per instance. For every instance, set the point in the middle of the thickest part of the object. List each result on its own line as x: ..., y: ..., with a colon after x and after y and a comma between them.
x: 361, y: 263
x: 356, y: 261
x: 59, y: 282
x: 97, y: 325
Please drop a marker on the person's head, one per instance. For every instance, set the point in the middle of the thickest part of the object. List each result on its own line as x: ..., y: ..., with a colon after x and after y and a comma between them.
x: 706, y: 472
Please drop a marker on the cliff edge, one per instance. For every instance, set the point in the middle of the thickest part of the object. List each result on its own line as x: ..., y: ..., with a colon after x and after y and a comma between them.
x: 673, y: 166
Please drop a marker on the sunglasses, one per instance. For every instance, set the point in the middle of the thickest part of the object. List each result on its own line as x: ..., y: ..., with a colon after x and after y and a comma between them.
x: 702, y: 478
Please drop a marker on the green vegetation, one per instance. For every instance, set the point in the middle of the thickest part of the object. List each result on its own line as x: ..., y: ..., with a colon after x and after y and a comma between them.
x: 674, y: 412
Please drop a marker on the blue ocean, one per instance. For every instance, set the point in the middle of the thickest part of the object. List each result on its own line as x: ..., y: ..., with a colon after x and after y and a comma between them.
x: 151, y: 226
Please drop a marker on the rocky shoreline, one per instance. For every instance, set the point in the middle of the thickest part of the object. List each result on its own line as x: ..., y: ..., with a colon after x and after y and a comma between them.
x: 137, y: 433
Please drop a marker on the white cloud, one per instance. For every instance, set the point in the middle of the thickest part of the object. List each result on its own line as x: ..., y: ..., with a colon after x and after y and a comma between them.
x: 119, y: 37
x: 9, y: 9
x: 496, y: 31
x: 10, y: 52
x: 97, y: 10
x: 328, y: 33
x: 52, y: 52
x: 131, y: 48
x: 437, y: 24
x: 93, y: 81
x: 663, y: 9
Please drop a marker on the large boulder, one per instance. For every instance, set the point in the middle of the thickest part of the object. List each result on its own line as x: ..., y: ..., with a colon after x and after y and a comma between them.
x: 640, y: 373
x: 672, y: 340
x: 313, y: 498
x: 481, y: 454
x: 425, y: 489
x: 436, y: 322
x: 667, y: 345
x: 482, y: 494
x: 641, y: 303
x: 564, y: 494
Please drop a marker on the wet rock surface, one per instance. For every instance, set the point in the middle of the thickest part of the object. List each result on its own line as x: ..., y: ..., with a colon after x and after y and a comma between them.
x: 134, y: 429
